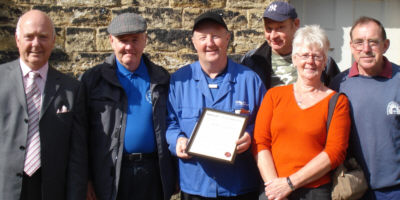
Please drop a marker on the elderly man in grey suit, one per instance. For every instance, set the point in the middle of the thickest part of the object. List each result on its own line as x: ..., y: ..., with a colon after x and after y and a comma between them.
x: 43, y: 145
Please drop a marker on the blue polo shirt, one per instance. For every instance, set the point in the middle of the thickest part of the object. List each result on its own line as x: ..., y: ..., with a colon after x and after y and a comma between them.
x: 139, y: 132
x: 375, y: 112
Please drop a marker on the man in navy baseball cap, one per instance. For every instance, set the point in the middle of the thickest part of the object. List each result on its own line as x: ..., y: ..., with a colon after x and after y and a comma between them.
x: 272, y: 61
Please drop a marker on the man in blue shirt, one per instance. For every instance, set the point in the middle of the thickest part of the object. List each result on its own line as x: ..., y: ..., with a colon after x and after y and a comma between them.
x: 213, y: 82
x: 372, y: 86
x: 127, y: 94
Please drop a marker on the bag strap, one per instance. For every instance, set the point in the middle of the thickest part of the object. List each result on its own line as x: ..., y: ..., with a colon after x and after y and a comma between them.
x: 331, y: 109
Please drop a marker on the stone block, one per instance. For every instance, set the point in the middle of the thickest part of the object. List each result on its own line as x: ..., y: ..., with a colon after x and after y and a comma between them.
x: 49, y: 2
x: 256, y: 20
x: 171, y: 61
x: 84, y: 61
x: 197, y: 3
x: 87, y: 2
x: 80, y: 39
x: 7, y: 39
x: 102, y: 40
x: 169, y: 40
x: 60, y: 38
x: 235, y: 20
x: 262, y: 4
x: 9, y: 13
x: 162, y: 17
x: 88, y: 16
x: 7, y: 56
x: 146, y: 3
x: 189, y: 15
x: 247, y: 40
x: 119, y: 11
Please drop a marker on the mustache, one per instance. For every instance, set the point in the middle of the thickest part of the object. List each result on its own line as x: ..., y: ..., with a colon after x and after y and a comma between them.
x: 368, y: 54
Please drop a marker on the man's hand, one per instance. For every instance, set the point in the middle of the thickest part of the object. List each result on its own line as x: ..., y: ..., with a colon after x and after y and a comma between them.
x: 243, y: 143
x: 90, y: 195
x: 181, y: 145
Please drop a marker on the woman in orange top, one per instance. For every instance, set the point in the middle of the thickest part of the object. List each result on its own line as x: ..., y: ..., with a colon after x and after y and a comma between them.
x: 293, y: 150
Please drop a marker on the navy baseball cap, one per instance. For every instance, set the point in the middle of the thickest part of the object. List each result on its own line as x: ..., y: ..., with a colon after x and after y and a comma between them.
x: 212, y: 16
x: 127, y: 23
x: 280, y: 11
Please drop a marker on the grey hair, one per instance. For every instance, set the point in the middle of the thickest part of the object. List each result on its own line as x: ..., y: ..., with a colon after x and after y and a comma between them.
x: 18, y: 29
x: 308, y: 36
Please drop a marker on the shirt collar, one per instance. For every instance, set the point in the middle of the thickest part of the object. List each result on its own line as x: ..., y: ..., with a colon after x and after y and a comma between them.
x: 42, y: 71
x: 386, y: 72
x: 140, y: 71
x: 198, y: 72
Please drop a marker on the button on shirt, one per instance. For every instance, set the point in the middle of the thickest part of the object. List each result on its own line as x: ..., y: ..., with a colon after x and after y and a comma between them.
x: 139, y: 132
x: 240, y: 89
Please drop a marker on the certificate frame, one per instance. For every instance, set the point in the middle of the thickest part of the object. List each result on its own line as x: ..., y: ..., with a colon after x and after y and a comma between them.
x: 215, y: 135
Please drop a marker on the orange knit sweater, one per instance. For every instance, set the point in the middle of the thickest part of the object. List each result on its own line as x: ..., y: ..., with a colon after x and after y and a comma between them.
x: 295, y: 136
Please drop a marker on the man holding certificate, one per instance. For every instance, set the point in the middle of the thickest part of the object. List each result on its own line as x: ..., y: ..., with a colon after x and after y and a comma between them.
x: 225, y: 88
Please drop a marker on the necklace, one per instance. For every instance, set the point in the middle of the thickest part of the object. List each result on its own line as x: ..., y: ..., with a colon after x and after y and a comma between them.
x: 300, y: 95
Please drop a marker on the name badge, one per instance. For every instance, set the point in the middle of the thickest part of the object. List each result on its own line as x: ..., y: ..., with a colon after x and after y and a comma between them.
x: 213, y: 86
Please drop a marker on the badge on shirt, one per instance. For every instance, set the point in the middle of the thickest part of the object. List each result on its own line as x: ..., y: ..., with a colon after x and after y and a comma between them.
x: 213, y: 86
x: 393, y: 108
x: 241, y: 108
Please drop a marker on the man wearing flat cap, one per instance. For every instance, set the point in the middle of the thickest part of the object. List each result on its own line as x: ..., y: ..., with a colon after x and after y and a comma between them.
x: 126, y: 106
x: 216, y: 82
x: 272, y: 61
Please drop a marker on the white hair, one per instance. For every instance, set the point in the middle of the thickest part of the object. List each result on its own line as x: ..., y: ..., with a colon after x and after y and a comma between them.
x: 18, y: 28
x: 310, y: 36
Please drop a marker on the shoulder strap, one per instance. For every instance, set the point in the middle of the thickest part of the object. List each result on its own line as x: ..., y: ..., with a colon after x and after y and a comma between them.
x: 331, y: 109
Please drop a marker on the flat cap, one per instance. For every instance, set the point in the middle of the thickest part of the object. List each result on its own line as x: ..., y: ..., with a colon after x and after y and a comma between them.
x: 127, y: 23
x: 280, y: 11
x: 212, y: 16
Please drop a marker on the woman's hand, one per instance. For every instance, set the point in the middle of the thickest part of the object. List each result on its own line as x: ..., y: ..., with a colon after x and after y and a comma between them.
x: 277, y: 189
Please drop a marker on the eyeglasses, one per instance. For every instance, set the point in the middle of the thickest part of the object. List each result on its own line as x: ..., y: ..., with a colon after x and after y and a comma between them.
x: 359, y: 44
x: 305, y: 57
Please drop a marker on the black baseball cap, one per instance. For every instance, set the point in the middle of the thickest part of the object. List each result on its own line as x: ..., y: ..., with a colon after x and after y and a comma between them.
x: 212, y: 16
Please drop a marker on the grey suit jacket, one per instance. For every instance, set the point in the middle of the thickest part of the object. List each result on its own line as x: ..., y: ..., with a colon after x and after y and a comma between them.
x: 63, y: 137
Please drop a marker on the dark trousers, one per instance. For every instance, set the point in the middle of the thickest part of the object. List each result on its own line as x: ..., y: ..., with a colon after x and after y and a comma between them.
x: 322, y: 192
x: 140, y: 180
x: 247, y: 196
x: 32, y: 186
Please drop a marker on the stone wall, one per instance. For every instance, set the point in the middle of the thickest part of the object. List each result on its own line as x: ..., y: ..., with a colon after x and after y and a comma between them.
x: 82, y: 39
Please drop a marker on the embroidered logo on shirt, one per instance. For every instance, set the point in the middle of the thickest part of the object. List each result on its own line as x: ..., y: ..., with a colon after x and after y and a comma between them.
x: 148, y: 96
x: 241, y: 108
x: 393, y: 108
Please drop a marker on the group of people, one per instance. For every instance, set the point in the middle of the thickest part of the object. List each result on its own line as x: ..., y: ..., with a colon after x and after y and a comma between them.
x: 121, y: 131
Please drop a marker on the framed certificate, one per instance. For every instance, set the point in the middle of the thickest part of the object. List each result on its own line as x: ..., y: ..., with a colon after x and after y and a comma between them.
x: 215, y: 135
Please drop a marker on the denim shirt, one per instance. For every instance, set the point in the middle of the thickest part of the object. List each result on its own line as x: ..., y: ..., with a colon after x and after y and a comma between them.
x: 240, y: 90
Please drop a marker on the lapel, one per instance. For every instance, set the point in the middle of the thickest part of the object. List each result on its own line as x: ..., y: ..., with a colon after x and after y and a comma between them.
x: 225, y: 87
x: 202, y: 85
x: 18, y: 82
x: 227, y: 83
x: 50, y: 89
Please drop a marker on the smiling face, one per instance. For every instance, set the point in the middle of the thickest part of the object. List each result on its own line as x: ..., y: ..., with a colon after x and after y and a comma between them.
x: 129, y: 49
x: 35, y: 39
x: 309, y: 62
x: 211, y: 42
x: 368, y: 47
x: 279, y: 35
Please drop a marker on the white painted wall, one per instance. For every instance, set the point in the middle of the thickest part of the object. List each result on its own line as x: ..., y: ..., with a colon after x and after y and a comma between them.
x: 337, y: 17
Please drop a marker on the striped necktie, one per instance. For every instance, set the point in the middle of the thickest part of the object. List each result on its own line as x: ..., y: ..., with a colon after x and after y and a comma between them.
x: 33, y: 99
